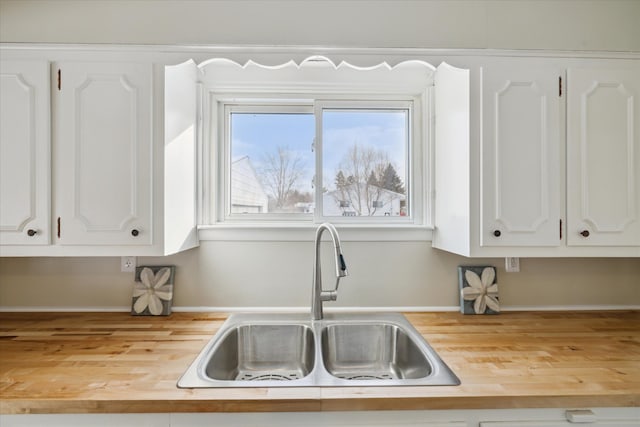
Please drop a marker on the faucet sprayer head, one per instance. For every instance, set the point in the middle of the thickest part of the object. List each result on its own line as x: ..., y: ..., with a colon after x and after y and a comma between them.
x: 342, y: 266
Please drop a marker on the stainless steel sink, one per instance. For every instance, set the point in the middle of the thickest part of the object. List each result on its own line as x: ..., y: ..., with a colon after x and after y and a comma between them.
x: 381, y: 351
x: 291, y: 350
x: 262, y: 352
x: 256, y: 351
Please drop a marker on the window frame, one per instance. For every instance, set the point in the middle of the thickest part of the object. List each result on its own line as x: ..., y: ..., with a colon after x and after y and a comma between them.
x: 223, y: 203
x: 318, y: 79
x: 415, y: 216
x: 304, y: 104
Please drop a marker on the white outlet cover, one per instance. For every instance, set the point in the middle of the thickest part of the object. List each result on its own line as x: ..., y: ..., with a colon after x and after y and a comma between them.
x: 512, y: 265
x: 128, y: 264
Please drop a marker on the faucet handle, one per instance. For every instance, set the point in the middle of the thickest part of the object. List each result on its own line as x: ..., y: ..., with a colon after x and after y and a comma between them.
x: 329, y: 295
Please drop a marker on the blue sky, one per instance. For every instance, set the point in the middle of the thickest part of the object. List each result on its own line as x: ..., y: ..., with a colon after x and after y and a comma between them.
x: 254, y: 134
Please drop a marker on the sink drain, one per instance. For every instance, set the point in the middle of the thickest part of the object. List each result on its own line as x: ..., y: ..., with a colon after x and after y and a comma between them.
x: 268, y: 376
x: 364, y: 376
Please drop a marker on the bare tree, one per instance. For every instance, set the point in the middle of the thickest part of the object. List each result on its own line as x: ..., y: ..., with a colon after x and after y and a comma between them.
x: 357, y: 180
x: 280, y: 173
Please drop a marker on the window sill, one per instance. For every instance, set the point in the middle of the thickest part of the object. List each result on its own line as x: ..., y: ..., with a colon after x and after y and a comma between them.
x: 306, y: 232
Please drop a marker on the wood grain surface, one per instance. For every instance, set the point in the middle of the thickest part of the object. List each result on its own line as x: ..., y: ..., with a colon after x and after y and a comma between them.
x: 117, y: 363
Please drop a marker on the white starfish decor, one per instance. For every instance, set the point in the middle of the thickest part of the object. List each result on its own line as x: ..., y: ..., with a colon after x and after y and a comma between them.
x: 152, y: 290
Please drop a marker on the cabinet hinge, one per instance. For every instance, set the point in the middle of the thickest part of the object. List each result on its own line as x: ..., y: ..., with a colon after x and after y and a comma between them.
x: 59, y: 79
x: 560, y: 86
x: 58, y: 227
x: 560, y: 229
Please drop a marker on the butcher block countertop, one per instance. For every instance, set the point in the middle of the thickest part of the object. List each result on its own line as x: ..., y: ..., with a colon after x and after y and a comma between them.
x: 117, y: 363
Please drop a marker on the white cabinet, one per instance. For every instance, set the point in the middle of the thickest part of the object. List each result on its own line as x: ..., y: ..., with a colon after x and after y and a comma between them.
x: 603, y: 157
x: 24, y: 153
x: 522, y: 423
x: 324, y: 419
x: 521, y: 152
x: 85, y: 420
x: 115, y: 176
x: 103, y: 153
x: 546, y: 417
x: 557, y: 417
x: 551, y: 164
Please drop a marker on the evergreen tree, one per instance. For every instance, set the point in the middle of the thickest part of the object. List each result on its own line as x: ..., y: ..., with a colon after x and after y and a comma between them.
x: 390, y: 180
x: 372, y: 180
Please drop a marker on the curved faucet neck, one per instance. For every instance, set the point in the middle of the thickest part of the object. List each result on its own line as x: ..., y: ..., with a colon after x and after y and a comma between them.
x: 317, y: 294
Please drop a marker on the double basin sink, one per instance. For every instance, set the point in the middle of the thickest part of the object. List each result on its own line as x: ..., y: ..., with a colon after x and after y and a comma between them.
x: 291, y: 350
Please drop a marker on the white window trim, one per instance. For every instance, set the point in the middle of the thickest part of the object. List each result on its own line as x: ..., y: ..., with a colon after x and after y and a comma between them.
x: 413, y: 162
x: 305, y: 232
x: 223, y: 200
x: 414, y: 81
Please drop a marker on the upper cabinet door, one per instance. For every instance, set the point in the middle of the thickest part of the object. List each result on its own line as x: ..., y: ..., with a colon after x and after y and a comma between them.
x: 180, y: 156
x: 452, y: 135
x: 522, y: 189
x: 24, y: 153
x: 103, y: 153
x: 603, y: 157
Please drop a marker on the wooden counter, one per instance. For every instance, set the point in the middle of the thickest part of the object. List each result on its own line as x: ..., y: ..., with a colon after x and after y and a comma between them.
x: 116, y: 363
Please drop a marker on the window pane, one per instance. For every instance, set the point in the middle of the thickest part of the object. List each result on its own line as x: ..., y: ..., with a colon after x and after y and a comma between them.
x: 364, y: 162
x: 271, y: 163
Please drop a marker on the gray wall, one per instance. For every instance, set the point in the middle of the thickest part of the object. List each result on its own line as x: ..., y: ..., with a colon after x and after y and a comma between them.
x: 273, y: 274
x: 500, y: 24
x: 278, y: 274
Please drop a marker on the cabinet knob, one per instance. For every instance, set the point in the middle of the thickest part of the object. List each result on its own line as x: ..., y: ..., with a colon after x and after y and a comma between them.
x: 584, y: 233
x: 497, y: 233
x: 135, y: 232
x: 31, y: 232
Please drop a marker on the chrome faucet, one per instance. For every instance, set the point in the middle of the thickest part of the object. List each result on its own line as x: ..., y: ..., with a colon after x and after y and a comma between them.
x: 317, y: 294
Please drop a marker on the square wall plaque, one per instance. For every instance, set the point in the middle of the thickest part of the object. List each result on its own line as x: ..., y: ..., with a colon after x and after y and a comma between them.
x: 478, y: 290
x: 153, y: 291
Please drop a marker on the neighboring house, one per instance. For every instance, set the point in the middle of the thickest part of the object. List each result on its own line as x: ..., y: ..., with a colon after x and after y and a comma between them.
x: 247, y: 194
x: 374, y: 201
x: 305, y: 207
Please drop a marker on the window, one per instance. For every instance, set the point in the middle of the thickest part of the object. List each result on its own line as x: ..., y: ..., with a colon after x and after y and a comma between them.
x: 325, y: 160
x: 365, y: 154
x: 271, y: 161
x: 303, y: 144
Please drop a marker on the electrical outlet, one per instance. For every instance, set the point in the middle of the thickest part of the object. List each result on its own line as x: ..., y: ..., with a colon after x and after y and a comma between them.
x: 128, y: 264
x: 512, y: 265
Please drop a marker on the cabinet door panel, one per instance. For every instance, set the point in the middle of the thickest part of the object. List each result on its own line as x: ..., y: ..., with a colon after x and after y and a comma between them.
x: 603, y: 164
x: 521, y: 187
x: 103, y: 191
x: 320, y: 419
x: 24, y: 153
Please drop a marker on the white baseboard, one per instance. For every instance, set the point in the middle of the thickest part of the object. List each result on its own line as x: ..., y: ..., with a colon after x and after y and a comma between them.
x: 600, y: 307
x: 75, y: 309
x: 404, y: 309
x: 306, y: 309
